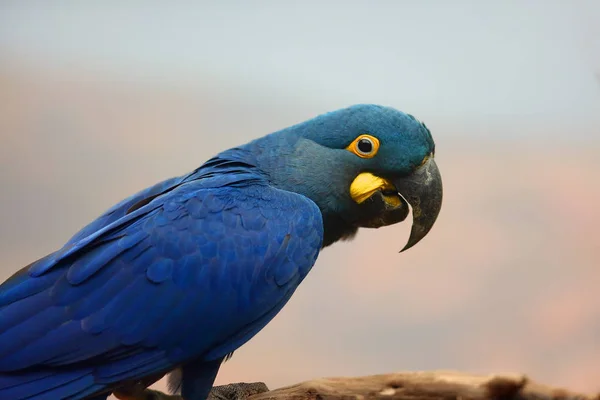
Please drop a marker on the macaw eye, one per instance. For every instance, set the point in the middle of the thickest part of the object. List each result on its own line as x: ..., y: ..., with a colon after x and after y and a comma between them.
x: 364, y: 146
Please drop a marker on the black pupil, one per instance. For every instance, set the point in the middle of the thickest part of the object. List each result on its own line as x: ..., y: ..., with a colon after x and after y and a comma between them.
x: 365, y: 146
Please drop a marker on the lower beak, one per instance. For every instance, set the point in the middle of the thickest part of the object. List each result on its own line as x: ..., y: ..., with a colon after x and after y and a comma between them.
x: 423, y: 191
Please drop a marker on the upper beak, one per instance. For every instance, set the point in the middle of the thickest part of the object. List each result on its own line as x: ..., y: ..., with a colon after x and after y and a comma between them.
x: 423, y: 191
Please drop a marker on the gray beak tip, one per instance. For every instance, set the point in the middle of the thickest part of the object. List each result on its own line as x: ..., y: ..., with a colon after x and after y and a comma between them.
x: 423, y: 191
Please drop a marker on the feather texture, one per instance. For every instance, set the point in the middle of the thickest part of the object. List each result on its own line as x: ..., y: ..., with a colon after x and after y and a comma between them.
x: 147, y: 290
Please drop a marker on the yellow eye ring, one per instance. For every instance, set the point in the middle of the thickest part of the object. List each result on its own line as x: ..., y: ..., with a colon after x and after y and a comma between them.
x: 364, y: 146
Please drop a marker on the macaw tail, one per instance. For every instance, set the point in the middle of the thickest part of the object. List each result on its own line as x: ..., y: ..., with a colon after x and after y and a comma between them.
x: 49, y: 385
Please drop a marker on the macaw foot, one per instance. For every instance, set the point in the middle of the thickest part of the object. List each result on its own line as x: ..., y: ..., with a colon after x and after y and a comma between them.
x: 233, y: 391
x: 237, y: 391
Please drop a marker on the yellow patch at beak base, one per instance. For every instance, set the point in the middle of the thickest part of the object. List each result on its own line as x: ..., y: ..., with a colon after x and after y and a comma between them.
x: 366, y: 184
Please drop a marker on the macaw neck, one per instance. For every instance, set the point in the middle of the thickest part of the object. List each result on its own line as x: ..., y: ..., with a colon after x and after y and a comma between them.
x: 289, y: 162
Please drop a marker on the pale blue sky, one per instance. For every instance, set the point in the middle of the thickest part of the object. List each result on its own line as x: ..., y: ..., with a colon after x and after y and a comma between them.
x: 466, y: 59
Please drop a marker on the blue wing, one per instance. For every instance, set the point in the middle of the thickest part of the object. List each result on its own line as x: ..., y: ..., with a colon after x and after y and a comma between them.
x: 193, y: 272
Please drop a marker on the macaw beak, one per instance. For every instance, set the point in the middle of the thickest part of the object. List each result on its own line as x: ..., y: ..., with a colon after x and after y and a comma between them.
x: 423, y: 191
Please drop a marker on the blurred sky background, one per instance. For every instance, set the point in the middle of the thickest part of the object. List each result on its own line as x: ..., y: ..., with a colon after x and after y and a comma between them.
x: 101, y: 99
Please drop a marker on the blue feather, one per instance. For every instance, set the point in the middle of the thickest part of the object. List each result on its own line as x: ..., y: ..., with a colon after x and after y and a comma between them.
x: 20, y: 286
x: 44, y: 385
x: 94, y: 260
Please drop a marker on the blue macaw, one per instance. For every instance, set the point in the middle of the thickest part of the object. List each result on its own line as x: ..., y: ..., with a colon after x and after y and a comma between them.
x: 183, y: 273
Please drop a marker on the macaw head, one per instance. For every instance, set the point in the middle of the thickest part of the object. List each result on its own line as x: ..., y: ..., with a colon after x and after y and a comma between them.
x: 362, y: 166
